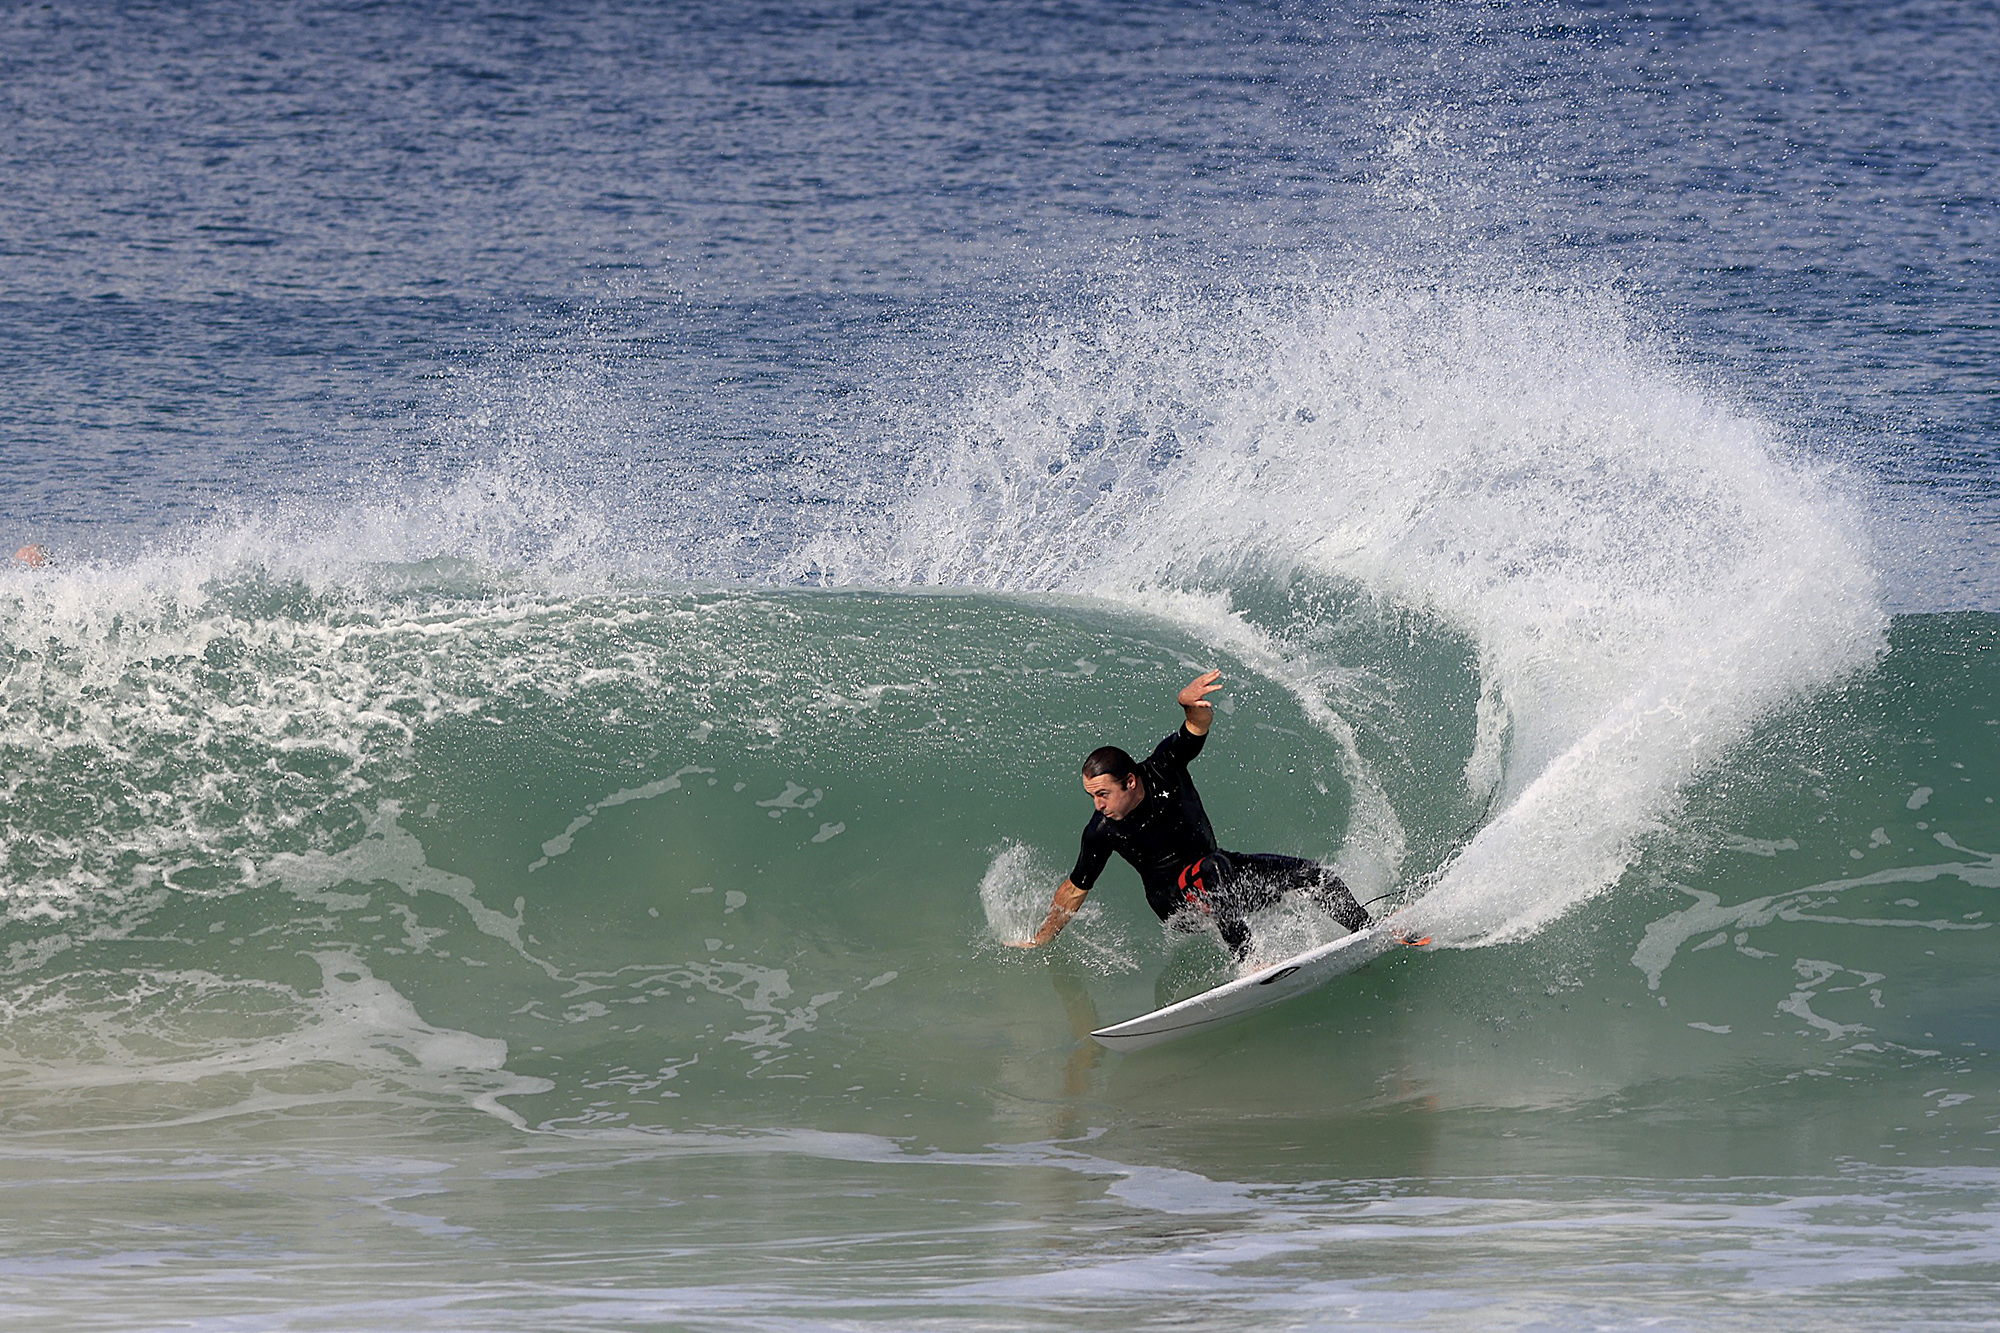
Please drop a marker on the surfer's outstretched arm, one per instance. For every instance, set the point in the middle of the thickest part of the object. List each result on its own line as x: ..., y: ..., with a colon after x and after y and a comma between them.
x: 1194, y: 702
x: 1069, y: 898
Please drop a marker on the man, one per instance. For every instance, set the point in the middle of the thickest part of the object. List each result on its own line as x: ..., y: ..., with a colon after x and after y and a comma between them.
x: 1149, y: 813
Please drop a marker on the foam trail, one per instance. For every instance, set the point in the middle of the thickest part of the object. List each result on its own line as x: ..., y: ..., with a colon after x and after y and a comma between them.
x: 1644, y: 574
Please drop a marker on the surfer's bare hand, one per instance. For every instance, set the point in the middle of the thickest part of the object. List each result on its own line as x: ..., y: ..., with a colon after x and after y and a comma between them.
x: 1196, y: 693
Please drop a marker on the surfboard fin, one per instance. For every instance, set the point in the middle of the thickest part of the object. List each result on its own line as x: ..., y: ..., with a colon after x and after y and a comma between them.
x: 1413, y: 943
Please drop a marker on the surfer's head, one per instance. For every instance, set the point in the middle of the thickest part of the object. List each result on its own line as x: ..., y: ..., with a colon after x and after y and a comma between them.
x: 1112, y: 780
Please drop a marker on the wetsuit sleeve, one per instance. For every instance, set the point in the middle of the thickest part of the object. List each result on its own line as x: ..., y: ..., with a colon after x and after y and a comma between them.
x: 1091, y: 859
x: 1178, y: 750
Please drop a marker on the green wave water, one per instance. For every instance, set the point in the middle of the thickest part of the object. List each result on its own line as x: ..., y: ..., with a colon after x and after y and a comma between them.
x: 575, y: 904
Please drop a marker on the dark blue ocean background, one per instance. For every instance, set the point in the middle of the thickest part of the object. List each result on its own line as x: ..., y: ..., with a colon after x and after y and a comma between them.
x: 584, y: 540
x: 256, y: 255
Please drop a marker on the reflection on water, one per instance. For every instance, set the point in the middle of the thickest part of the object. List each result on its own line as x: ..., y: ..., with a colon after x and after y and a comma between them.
x: 1072, y: 986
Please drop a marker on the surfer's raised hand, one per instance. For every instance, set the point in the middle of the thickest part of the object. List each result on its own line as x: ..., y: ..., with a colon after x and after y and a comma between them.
x: 1194, y: 699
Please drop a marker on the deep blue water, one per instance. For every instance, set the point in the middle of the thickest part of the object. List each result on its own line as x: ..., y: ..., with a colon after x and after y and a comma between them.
x: 255, y: 254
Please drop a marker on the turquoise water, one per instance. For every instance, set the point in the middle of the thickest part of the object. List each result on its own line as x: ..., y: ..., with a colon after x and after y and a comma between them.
x: 585, y: 549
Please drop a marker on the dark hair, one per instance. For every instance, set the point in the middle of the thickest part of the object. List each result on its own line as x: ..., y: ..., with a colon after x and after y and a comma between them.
x: 1109, y: 761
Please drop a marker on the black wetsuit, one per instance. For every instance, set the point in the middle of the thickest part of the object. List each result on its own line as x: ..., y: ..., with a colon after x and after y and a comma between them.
x: 1168, y: 840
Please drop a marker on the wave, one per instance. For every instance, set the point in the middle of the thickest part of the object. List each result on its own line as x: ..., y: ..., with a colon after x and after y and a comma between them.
x: 1495, y: 584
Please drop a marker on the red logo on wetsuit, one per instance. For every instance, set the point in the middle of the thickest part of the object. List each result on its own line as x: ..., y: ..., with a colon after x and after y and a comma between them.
x: 1195, y: 890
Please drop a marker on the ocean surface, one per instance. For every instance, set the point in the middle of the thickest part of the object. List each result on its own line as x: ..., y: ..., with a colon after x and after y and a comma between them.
x: 585, y: 544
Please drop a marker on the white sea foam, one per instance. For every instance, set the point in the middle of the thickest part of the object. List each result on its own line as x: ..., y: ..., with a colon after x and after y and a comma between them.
x: 1664, y: 937
x: 175, y: 1047
x: 390, y: 854
x: 562, y: 842
x: 211, y: 711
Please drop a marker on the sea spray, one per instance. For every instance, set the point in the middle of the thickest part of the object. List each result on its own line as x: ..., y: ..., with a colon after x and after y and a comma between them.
x: 1015, y: 893
x: 1643, y: 570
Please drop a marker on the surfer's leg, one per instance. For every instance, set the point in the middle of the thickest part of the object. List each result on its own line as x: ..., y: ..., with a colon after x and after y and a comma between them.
x: 1338, y: 900
x: 1235, y: 933
x: 1251, y: 882
x: 1292, y: 874
x: 1215, y: 891
x: 1242, y: 885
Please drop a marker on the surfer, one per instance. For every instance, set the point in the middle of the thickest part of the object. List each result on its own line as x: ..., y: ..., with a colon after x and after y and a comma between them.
x: 1149, y: 812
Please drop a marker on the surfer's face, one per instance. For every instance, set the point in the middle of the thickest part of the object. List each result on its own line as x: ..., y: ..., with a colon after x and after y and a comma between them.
x: 1113, y: 799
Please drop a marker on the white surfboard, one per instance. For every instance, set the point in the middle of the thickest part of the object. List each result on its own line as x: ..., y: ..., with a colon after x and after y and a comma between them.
x: 1260, y: 990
